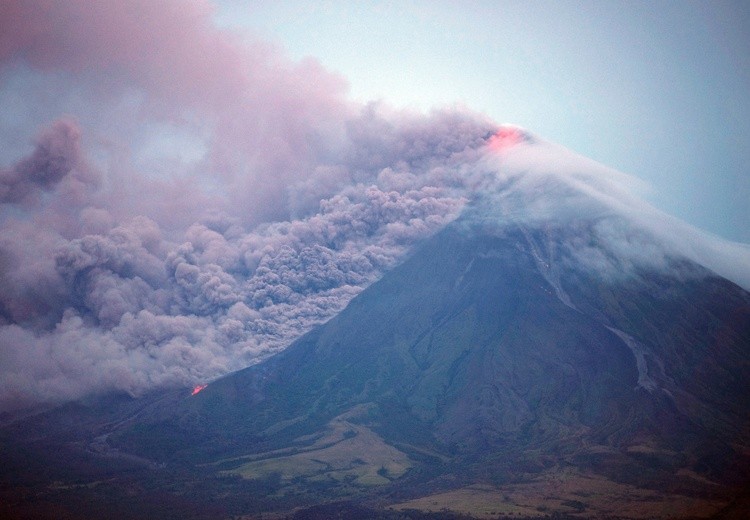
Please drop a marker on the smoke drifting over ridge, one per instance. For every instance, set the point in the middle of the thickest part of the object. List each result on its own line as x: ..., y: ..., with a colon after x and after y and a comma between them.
x: 194, y: 201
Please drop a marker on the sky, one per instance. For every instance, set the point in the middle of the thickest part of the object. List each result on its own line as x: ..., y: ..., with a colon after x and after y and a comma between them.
x: 657, y: 89
x: 188, y: 186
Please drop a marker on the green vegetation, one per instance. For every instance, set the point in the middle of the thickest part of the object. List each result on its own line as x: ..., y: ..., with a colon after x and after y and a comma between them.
x: 345, y: 454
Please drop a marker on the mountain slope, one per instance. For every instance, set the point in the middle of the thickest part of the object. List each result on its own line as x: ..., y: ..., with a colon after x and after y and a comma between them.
x: 505, y: 351
x: 474, y: 349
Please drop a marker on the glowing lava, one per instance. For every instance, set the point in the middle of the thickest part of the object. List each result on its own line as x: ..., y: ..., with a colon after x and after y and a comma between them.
x: 198, y: 389
x: 504, y: 138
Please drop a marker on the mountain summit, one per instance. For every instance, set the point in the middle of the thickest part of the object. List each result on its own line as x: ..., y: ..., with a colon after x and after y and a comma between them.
x: 547, y: 335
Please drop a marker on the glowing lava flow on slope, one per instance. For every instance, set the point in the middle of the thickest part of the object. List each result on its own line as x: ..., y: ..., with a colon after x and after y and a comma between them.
x: 506, y: 137
x: 198, y: 388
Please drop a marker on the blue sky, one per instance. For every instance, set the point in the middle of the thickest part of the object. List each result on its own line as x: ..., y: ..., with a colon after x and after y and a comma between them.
x: 655, y: 89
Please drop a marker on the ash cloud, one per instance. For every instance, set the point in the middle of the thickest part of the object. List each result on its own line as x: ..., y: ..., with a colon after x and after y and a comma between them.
x: 208, y: 200
x: 56, y: 155
x: 124, y: 271
x: 138, y: 310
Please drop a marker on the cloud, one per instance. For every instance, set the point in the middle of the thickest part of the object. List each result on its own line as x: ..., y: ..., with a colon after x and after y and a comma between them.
x: 264, y: 120
x: 102, y: 301
x: 598, y: 212
x: 154, y: 312
x: 56, y: 155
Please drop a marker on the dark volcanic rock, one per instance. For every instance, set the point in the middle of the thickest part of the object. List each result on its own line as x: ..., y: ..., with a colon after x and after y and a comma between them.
x: 487, y: 354
x: 484, y: 344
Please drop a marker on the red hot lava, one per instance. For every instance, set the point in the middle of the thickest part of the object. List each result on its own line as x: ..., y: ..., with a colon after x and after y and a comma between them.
x: 198, y: 388
x: 504, y: 138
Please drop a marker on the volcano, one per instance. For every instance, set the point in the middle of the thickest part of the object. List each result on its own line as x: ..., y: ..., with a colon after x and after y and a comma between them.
x: 536, y: 356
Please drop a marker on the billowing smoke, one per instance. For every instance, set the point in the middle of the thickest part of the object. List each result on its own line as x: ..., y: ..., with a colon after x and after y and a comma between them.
x: 92, y: 302
x: 56, y: 155
x: 180, y: 201
x: 192, y: 201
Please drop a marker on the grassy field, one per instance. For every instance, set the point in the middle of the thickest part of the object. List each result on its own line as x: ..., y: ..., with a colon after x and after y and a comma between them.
x: 345, y: 453
x: 566, y: 491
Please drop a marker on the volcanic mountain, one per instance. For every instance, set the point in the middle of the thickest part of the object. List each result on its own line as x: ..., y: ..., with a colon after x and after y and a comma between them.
x: 536, y: 356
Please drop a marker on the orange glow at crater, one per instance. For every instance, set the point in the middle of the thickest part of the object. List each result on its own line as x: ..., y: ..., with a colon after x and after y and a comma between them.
x: 504, y: 138
x: 198, y: 389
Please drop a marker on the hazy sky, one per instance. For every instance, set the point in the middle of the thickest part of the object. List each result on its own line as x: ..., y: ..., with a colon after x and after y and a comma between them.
x: 656, y: 89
